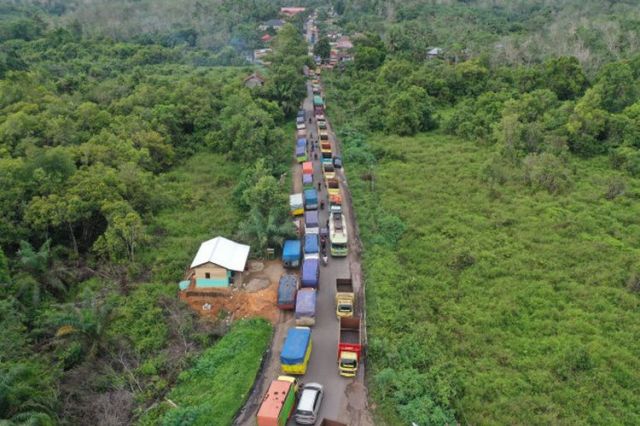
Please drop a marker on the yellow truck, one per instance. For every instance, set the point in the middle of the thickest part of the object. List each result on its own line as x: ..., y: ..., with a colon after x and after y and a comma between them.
x: 345, y: 298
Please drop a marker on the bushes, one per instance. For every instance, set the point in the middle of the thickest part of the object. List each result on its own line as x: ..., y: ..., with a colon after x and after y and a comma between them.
x: 546, y: 171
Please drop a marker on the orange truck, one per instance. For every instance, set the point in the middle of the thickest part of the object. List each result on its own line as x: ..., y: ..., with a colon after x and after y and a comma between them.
x: 278, y: 403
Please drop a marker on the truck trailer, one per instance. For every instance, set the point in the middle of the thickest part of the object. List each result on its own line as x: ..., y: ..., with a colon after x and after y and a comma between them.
x: 278, y: 403
x: 306, y: 306
x: 296, y: 350
x: 345, y: 298
x: 291, y: 253
x: 349, y: 346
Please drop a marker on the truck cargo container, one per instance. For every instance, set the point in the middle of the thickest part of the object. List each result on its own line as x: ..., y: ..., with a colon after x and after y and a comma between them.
x: 338, y: 235
x: 287, y: 289
x: 278, y: 403
x: 306, y: 306
x: 349, y: 346
x: 324, y: 135
x: 301, y: 142
x: 311, y: 222
x: 310, y: 272
x: 335, y: 203
x: 300, y: 120
x: 307, y: 181
x: 333, y: 186
x: 302, y: 133
x: 307, y: 168
x: 301, y: 126
x: 345, y: 298
x: 296, y: 350
x: 301, y: 154
x: 326, y: 152
x: 301, y: 113
x: 311, y: 244
x: 291, y: 253
x: 296, y: 205
x: 310, y: 199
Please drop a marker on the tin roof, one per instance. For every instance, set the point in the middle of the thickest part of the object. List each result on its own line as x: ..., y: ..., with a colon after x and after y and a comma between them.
x: 222, y: 252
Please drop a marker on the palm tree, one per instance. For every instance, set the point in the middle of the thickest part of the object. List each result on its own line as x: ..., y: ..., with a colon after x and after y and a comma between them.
x: 24, y: 398
x: 51, y: 275
x: 263, y: 232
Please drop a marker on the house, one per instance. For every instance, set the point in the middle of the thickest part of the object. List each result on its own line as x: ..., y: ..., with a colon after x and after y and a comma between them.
x: 254, y: 80
x: 344, y: 43
x: 291, y: 11
x: 266, y: 38
x: 276, y: 24
x: 435, y: 52
x: 259, y: 54
x: 215, y: 262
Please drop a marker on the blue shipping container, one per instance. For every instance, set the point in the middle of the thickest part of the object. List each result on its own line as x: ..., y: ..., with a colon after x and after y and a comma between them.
x: 295, y: 345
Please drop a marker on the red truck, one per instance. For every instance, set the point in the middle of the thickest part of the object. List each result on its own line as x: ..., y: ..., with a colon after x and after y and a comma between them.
x: 349, y: 346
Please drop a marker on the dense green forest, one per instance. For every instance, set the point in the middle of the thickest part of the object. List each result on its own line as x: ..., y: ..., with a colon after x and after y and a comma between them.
x: 497, y: 203
x: 117, y: 158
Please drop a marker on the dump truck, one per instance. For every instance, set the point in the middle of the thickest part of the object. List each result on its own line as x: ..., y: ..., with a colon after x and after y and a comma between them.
x: 333, y: 186
x: 291, y: 253
x: 301, y: 126
x: 338, y: 235
x: 349, y: 346
x: 316, y: 89
x: 296, y: 350
x: 326, y: 151
x: 345, y: 298
x: 324, y: 135
x: 296, y: 205
x: 306, y: 306
x: 310, y: 199
x: 302, y: 133
x: 310, y: 272
x: 328, y: 170
x: 287, y: 290
x: 278, y: 403
x: 335, y: 203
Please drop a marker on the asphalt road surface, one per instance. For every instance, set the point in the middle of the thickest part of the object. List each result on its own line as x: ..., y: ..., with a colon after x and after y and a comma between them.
x: 344, y: 399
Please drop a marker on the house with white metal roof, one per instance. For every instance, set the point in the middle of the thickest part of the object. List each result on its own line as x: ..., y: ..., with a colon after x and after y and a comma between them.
x: 216, y: 261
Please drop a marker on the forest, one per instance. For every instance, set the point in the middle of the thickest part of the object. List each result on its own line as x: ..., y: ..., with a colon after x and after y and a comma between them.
x: 113, y: 154
x: 497, y: 203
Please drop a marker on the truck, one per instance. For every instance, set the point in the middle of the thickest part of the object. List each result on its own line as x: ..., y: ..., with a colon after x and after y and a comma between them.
x: 301, y: 154
x: 333, y: 186
x: 318, y: 105
x: 335, y: 203
x: 306, y: 306
x: 338, y: 235
x: 291, y: 253
x: 296, y: 205
x: 325, y: 150
x: 322, y: 124
x: 301, y: 142
x: 287, y: 290
x: 349, y: 346
x: 310, y: 199
x: 296, y: 350
x: 307, y: 168
x: 278, y: 403
x: 301, y: 133
x: 311, y: 244
x: 345, y: 298
x: 316, y: 89
x: 311, y: 222
x: 324, y: 134
x: 301, y: 126
x: 310, y: 272
x: 328, y: 170
x: 307, y: 181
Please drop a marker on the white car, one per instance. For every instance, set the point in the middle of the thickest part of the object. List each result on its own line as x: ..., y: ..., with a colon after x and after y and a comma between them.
x: 309, y: 404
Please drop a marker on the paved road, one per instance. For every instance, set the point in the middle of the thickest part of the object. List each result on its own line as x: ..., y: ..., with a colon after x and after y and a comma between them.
x: 345, y: 399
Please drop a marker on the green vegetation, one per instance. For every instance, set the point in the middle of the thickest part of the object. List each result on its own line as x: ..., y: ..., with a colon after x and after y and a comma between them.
x: 230, y: 367
x: 500, y: 246
x: 118, y: 158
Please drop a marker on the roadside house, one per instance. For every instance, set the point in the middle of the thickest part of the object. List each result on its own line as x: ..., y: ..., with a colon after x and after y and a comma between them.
x: 254, y: 80
x: 276, y: 24
x: 291, y: 11
x: 215, y: 263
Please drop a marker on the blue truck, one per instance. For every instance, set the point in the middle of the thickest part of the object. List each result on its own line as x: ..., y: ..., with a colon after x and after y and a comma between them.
x: 291, y: 253
x: 311, y: 244
x: 310, y: 199
x: 310, y: 272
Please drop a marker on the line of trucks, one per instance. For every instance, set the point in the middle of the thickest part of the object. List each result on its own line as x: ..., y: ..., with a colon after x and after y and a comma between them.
x: 299, y: 292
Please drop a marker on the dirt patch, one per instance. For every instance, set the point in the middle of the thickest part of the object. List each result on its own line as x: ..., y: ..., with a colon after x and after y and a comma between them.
x: 255, y: 299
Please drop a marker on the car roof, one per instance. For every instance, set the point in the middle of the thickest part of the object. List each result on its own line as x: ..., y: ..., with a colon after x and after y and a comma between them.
x: 307, y: 399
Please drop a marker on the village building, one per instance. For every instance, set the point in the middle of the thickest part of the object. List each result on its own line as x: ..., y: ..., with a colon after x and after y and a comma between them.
x: 215, y: 264
x: 276, y: 24
x: 435, y: 52
x: 254, y: 80
x: 291, y: 11
x: 259, y: 55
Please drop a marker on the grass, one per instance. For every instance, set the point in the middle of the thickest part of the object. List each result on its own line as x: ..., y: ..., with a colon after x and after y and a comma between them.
x: 501, y: 306
x: 216, y: 387
x: 201, y: 208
